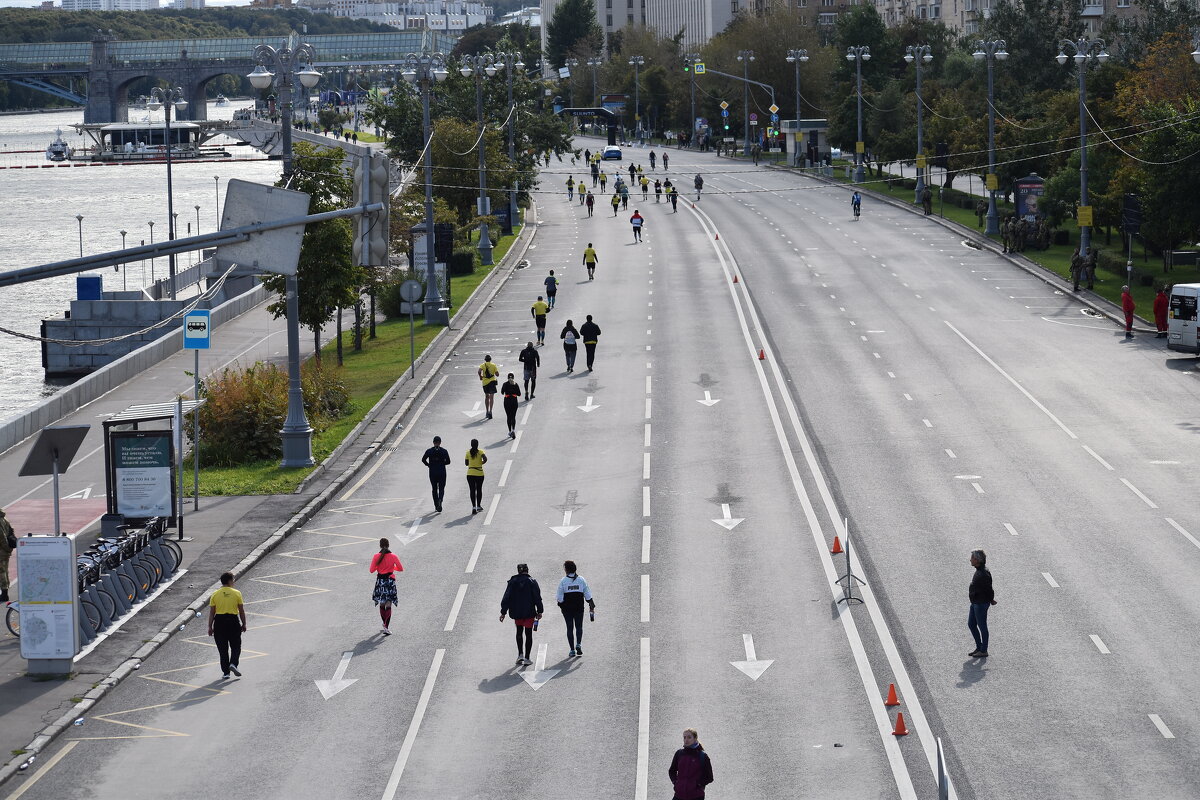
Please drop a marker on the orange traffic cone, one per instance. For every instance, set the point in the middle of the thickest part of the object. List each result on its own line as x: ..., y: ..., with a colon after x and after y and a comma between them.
x: 900, y: 730
x: 762, y: 356
x: 837, y: 546
x: 892, y: 700
x: 735, y: 279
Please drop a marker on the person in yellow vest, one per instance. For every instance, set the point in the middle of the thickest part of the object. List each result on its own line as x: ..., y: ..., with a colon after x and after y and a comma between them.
x: 570, y: 188
x: 227, y: 623
x: 475, y: 460
x: 488, y: 373
x: 645, y: 182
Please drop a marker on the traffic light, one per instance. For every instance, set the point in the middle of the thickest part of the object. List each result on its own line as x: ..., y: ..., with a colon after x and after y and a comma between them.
x: 372, y: 185
x: 687, y: 66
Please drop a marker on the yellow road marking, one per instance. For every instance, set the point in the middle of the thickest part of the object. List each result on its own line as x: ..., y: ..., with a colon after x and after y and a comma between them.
x: 37, y: 776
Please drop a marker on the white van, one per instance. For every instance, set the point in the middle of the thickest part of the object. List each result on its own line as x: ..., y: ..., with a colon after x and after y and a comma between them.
x: 1181, y: 318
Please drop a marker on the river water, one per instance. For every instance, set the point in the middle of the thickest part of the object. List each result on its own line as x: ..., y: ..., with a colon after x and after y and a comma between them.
x: 38, y: 226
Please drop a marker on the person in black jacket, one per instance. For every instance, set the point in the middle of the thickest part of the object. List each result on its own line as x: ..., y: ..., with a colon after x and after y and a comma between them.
x: 691, y: 768
x: 523, y: 601
x: 437, y: 459
x: 590, y: 332
x: 981, y: 597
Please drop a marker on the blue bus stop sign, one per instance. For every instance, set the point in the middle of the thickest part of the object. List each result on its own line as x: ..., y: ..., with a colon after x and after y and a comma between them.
x: 196, y: 328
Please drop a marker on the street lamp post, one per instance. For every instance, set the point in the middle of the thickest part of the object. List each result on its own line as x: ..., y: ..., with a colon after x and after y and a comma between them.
x: 992, y: 51
x: 479, y: 67
x: 746, y: 56
x: 797, y: 57
x: 918, y: 54
x: 859, y: 54
x: 570, y: 64
x: 287, y: 61
x: 511, y: 63
x: 124, y: 266
x: 165, y: 99
x: 692, y: 60
x: 636, y: 62
x: 1085, y: 51
x: 152, y: 261
x: 594, y: 63
x: 425, y: 70
x: 79, y: 219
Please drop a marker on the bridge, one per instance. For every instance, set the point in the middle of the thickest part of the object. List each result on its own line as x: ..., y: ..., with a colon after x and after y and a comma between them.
x: 107, y: 66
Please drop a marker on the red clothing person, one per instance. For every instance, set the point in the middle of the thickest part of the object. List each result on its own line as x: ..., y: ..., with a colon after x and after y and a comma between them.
x: 1127, y: 305
x: 1160, y: 312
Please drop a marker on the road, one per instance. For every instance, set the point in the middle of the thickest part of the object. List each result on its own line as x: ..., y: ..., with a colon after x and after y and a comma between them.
x: 933, y: 395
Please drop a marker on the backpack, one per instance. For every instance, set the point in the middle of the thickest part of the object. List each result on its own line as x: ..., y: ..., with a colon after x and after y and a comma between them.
x: 569, y: 338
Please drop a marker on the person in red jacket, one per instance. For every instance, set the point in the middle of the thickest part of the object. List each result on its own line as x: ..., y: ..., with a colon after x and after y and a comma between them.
x: 691, y: 768
x: 1127, y: 305
x: 1161, y: 303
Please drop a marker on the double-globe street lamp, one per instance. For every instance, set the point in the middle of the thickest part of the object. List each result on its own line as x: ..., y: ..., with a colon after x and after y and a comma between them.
x: 919, y: 54
x: 511, y: 62
x: 993, y: 51
x: 594, y: 63
x: 797, y: 57
x: 480, y: 67
x: 425, y: 70
x: 636, y: 62
x: 1085, y: 51
x: 746, y: 56
x: 859, y: 54
x: 570, y: 64
x: 289, y: 62
x: 166, y: 99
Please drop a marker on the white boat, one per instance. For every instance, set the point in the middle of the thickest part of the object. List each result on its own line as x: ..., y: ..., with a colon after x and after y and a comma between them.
x: 221, y: 100
x: 58, y: 149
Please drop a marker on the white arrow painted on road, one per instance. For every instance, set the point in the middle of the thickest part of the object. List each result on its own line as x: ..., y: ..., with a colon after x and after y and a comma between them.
x: 475, y: 411
x: 752, y: 666
x: 539, y: 676
x: 566, y: 528
x: 331, y: 687
x: 413, y: 533
x: 82, y: 494
x: 728, y: 522
x: 589, y: 407
x: 708, y: 400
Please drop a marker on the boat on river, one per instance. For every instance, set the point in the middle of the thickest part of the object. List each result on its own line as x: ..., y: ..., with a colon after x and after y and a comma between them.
x: 133, y: 142
x: 222, y: 100
x: 58, y: 150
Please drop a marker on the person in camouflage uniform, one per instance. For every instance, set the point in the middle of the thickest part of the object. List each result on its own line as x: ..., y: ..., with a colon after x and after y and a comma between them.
x: 1076, y: 269
x: 1006, y: 234
x: 1089, y: 266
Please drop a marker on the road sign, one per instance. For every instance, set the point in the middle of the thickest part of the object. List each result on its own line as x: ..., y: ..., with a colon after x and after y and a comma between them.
x: 1083, y: 216
x: 774, y: 117
x: 753, y: 122
x: 754, y: 117
x: 774, y: 109
x: 411, y: 291
x: 724, y: 104
x: 724, y: 113
x: 700, y: 68
x: 196, y: 328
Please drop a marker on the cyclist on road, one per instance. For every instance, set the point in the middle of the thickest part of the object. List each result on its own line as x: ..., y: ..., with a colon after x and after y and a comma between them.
x: 488, y: 373
x: 590, y: 259
x: 538, y: 311
x: 653, y: 158
x: 385, y: 564
x: 512, y: 395
x: 637, y: 221
x: 572, y: 592
x: 551, y: 288
x: 856, y: 204
x: 570, y: 338
x: 437, y: 459
x: 666, y: 161
x: 532, y: 360
x: 699, y: 183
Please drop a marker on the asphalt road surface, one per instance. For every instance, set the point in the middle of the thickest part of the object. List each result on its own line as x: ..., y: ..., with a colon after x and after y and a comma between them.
x: 927, y: 396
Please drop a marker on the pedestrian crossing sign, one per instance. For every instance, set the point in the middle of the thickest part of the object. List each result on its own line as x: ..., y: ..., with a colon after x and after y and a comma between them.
x: 699, y: 70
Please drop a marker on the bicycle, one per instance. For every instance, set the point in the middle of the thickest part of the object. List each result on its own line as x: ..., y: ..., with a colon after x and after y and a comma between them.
x: 12, y: 618
x: 857, y: 209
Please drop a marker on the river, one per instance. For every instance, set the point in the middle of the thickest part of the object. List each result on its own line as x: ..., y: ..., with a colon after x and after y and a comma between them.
x: 38, y: 226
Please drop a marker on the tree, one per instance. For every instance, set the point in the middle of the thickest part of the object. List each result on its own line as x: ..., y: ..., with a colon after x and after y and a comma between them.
x: 1166, y: 75
x: 1168, y: 175
x: 1032, y: 30
x: 573, y: 21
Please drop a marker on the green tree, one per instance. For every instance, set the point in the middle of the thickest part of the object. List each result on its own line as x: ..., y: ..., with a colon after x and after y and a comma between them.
x: 1168, y: 175
x: 1032, y: 30
x: 574, y: 21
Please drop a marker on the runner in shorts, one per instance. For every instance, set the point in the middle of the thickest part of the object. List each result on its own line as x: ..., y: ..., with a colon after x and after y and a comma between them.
x: 488, y: 375
x: 539, y: 310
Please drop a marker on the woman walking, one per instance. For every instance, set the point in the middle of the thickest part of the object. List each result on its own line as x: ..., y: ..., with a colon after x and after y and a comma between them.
x: 570, y: 338
x: 523, y: 602
x: 512, y: 394
x: 386, y: 565
x: 982, y: 597
x: 475, y: 460
x: 691, y: 768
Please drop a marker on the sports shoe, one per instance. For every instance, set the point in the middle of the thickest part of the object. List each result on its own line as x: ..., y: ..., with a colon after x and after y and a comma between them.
x: 385, y: 631
x: 520, y: 661
x: 233, y: 668
x: 526, y: 661
x: 225, y: 676
x: 579, y: 650
x: 571, y: 654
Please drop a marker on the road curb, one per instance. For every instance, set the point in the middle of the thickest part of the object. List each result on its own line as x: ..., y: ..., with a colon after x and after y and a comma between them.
x: 500, y: 274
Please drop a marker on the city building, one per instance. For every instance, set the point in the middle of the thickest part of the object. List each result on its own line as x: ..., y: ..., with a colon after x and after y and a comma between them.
x: 530, y: 16
x: 452, y: 16
x: 109, y: 5
x: 186, y: 4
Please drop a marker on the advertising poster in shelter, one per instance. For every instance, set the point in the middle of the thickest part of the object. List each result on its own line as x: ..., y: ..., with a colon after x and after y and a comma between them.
x: 142, y: 473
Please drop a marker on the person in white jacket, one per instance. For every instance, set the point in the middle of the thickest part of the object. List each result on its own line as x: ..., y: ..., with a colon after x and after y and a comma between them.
x: 572, y: 593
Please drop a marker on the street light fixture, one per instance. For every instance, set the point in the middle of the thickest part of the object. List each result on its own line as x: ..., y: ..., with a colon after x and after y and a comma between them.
x: 290, y: 62
x: 124, y: 265
x: 919, y: 54
x: 217, y: 197
x: 425, y: 70
x: 859, y: 54
x: 594, y: 63
x: 79, y: 219
x: 166, y: 99
x: 1085, y: 51
x: 993, y: 51
x: 692, y: 59
x: 797, y: 57
x: 636, y: 62
x: 479, y: 67
x: 152, y: 261
x: 746, y: 56
x: 511, y: 62
x: 570, y: 64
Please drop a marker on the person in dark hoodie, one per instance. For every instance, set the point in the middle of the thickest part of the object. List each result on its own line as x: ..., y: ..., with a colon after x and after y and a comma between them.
x: 982, y: 597
x: 523, y: 602
x: 691, y: 768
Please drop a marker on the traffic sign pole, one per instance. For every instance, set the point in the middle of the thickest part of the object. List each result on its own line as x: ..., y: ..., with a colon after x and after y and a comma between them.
x: 197, y: 331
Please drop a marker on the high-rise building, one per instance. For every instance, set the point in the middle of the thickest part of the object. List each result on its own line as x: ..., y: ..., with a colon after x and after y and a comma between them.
x: 109, y: 5
x: 452, y: 16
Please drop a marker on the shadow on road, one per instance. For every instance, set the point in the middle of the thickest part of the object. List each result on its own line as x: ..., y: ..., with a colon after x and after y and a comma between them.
x: 972, y: 673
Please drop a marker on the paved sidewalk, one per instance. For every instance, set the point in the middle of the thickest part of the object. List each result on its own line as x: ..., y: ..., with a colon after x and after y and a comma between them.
x: 225, y: 530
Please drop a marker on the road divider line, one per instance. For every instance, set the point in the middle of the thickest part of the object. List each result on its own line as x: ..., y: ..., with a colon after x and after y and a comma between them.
x: 641, y: 784
x: 414, y: 726
x: 504, y: 474
x: 1050, y: 580
x: 525, y: 416
x: 1100, y: 645
x: 645, y: 598
x: 516, y: 443
x: 647, y: 408
x: 1138, y: 492
x: 475, y: 553
x: 928, y: 424
x: 648, y: 378
x: 1096, y: 456
x: 1155, y: 718
x: 458, y: 601
x: 646, y: 440
x: 645, y: 501
x: 49, y: 765
x: 978, y: 488
x: 645, y: 544
x: 1179, y: 528
x: 950, y: 453
x: 492, y: 509
x: 645, y: 466
x: 1008, y: 527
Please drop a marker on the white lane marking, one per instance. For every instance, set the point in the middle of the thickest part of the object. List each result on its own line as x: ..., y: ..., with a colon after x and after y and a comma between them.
x: 646, y: 438
x: 863, y: 338
x: 1050, y: 580
x: 410, y: 738
x: 1100, y: 645
x: 1012, y: 380
x: 504, y: 474
x: 454, y: 609
x: 978, y: 488
x: 49, y: 765
x: 475, y: 553
x: 877, y: 355
x: 891, y: 374
x: 950, y: 453
x: 907, y: 396
x: 648, y: 331
x: 647, y: 408
x: 395, y: 443
x: 1138, y: 492
x: 1096, y: 456
x: 928, y: 424
x: 515, y: 443
x: 645, y: 544
x: 492, y: 509
x: 1155, y: 718
x: 647, y: 380
x: 641, y: 784
x: 525, y: 416
x: 645, y: 501
x: 1008, y: 527
x: 645, y: 598
x: 645, y: 466
x: 1179, y: 528
x: 647, y: 347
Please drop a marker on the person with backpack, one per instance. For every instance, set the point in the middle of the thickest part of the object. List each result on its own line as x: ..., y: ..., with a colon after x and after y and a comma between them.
x: 570, y: 338
x: 385, y: 564
x: 691, y: 768
x: 8, y: 543
x: 523, y: 602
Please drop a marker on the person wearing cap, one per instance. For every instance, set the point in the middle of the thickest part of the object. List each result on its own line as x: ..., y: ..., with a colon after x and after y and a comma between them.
x: 8, y: 538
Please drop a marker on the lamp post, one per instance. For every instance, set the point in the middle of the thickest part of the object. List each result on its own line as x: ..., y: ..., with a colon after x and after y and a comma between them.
x: 287, y: 61
x: 992, y: 51
x: 859, y: 54
x: 636, y: 62
x: 594, y: 63
x: 918, y: 54
x: 1085, y: 51
x: 425, y: 70
x: 570, y: 64
x: 511, y: 62
x: 480, y: 67
x: 124, y: 266
x: 746, y: 56
x: 79, y: 219
x: 692, y: 60
x: 165, y: 99
x: 797, y: 57
x: 152, y: 261
x: 217, y: 198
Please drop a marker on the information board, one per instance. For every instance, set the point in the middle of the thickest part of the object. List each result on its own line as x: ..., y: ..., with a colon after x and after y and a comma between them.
x: 142, y: 472
x: 47, y: 592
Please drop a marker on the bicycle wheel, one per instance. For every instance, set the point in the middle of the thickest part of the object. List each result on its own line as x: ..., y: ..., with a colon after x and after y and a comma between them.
x: 13, y: 620
x: 173, y: 550
x: 144, y: 579
x: 108, y: 603
x: 88, y: 608
x: 128, y: 587
x: 153, y: 565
